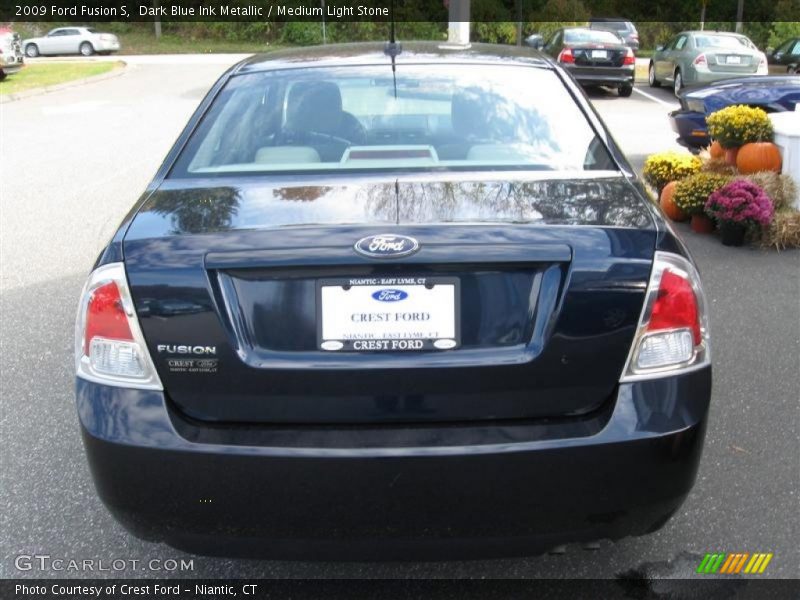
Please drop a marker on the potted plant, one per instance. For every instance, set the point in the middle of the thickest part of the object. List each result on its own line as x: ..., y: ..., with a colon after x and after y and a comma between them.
x: 691, y: 195
x: 736, y: 206
x: 735, y: 126
x: 663, y: 167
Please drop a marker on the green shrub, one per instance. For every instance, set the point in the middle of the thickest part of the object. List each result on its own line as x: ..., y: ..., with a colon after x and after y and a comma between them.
x: 691, y: 193
x: 302, y: 34
x: 663, y: 167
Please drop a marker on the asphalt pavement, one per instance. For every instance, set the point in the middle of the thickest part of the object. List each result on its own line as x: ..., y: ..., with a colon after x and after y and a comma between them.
x: 72, y: 162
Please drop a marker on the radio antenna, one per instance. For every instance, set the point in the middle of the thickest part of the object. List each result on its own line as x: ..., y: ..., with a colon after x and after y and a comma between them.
x: 393, y: 49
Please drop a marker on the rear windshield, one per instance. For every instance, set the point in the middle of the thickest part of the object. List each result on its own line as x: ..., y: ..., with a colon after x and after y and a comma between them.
x: 613, y: 25
x: 722, y: 41
x: 431, y: 117
x: 591, y: 36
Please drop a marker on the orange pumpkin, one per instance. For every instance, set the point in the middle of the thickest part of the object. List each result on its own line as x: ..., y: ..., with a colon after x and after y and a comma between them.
x: 667, y: 204
x: 759, y: 156
x: 716, y: 150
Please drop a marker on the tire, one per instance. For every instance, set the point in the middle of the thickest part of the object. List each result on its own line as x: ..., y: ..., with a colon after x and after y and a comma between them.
x: 2, y: 75
x: 793, y: 70
x: 677, y: 82
x: 86, y: 49
x: 651, y: 77
x: 625, y: 90
x: 31, y: 50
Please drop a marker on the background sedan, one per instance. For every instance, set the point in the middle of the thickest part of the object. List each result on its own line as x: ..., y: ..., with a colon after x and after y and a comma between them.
x: 72, y: 40
x: 773, y: 94
x: 624, y: 29
x: 698, y: 57
x: 785, y: 58
x: 594, y: 57
x: 11, y: 58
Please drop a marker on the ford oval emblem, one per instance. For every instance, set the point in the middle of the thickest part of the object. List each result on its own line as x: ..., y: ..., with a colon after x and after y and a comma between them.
x: 390, y: 295
x: 386, y: 245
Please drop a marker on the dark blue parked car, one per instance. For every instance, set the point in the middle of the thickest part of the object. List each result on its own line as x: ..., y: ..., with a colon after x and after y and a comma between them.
x: 773, y: 94
x: 363, y: 312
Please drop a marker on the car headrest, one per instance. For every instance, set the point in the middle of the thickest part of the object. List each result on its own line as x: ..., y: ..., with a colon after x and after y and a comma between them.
x: 314, y: 106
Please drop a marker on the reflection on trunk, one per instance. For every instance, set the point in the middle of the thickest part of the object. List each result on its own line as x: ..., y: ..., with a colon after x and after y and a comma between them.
x: 208, y: 209
x: 255, y: 204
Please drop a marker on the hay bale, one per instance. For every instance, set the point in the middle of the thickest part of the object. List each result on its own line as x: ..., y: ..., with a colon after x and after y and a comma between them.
x: 781, y: 189
x: 718, y: 166
x: 784, y: 231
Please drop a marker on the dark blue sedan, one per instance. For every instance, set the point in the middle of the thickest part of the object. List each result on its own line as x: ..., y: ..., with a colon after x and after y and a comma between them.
x: 773, y: 94
x: 393, y: 306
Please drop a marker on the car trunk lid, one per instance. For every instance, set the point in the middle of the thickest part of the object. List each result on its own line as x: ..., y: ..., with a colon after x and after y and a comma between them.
x: 548, y: 281
x: 731, y: 61
x: 599, y: 55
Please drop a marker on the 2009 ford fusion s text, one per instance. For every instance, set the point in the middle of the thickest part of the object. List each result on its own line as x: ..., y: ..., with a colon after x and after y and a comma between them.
x: 393, y: 304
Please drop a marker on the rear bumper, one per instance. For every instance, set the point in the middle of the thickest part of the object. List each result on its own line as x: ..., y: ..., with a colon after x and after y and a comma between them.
x: 695, y: 77
x: 390, y: 492
x: 611, y: 76
x: 103, y: 46
x: 11, y: 63
x: 691, y: 128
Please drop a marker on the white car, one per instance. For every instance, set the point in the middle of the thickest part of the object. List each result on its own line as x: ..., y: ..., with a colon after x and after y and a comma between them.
x: 11, y: 59
x: 71, y: 40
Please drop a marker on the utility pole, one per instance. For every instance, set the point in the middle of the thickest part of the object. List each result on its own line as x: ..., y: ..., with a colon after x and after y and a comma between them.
x: 739, y: 15
x: 703, y: 4
x: 325, y: 33
x: 157, y: 24
x: 458, y: 26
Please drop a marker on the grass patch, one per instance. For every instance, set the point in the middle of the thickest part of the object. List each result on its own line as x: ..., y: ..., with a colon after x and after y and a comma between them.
x: 43, y: 75
x: 146, y: 43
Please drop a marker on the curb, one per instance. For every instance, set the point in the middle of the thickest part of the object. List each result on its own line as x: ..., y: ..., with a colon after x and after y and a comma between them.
x: 116, y: 72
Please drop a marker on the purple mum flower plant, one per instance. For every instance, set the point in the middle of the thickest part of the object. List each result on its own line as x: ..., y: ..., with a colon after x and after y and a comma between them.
x: 741, y: 202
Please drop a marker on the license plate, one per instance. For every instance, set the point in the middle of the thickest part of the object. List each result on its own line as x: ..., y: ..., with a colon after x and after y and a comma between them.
x: 388, y: 314
x: 733, y: 60
x: 599, y: 54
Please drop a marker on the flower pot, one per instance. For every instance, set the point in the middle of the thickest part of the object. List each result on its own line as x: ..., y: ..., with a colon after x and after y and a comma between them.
x: 732, y: 233
x: 702, y: 224
x: 730, y: 155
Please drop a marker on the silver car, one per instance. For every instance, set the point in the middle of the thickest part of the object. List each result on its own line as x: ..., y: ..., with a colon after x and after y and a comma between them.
x: 700, y: 57
x: 11, y: 58
x: 71, y: 40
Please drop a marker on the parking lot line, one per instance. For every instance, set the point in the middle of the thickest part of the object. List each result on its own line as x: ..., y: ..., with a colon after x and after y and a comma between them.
x: 654, y: 99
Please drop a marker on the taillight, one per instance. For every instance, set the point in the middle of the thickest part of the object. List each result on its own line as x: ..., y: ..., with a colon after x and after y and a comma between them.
x: 629, y: 59
x: 763, y: 68
x: 566, y: 56
x: 109, y: 346
x: 675, y: 306
x: 673, y: 334
x: 700, y: 61
x: 105, y: 316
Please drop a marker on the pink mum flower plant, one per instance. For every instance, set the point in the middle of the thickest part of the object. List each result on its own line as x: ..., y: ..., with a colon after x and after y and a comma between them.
x: 742, y: 202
